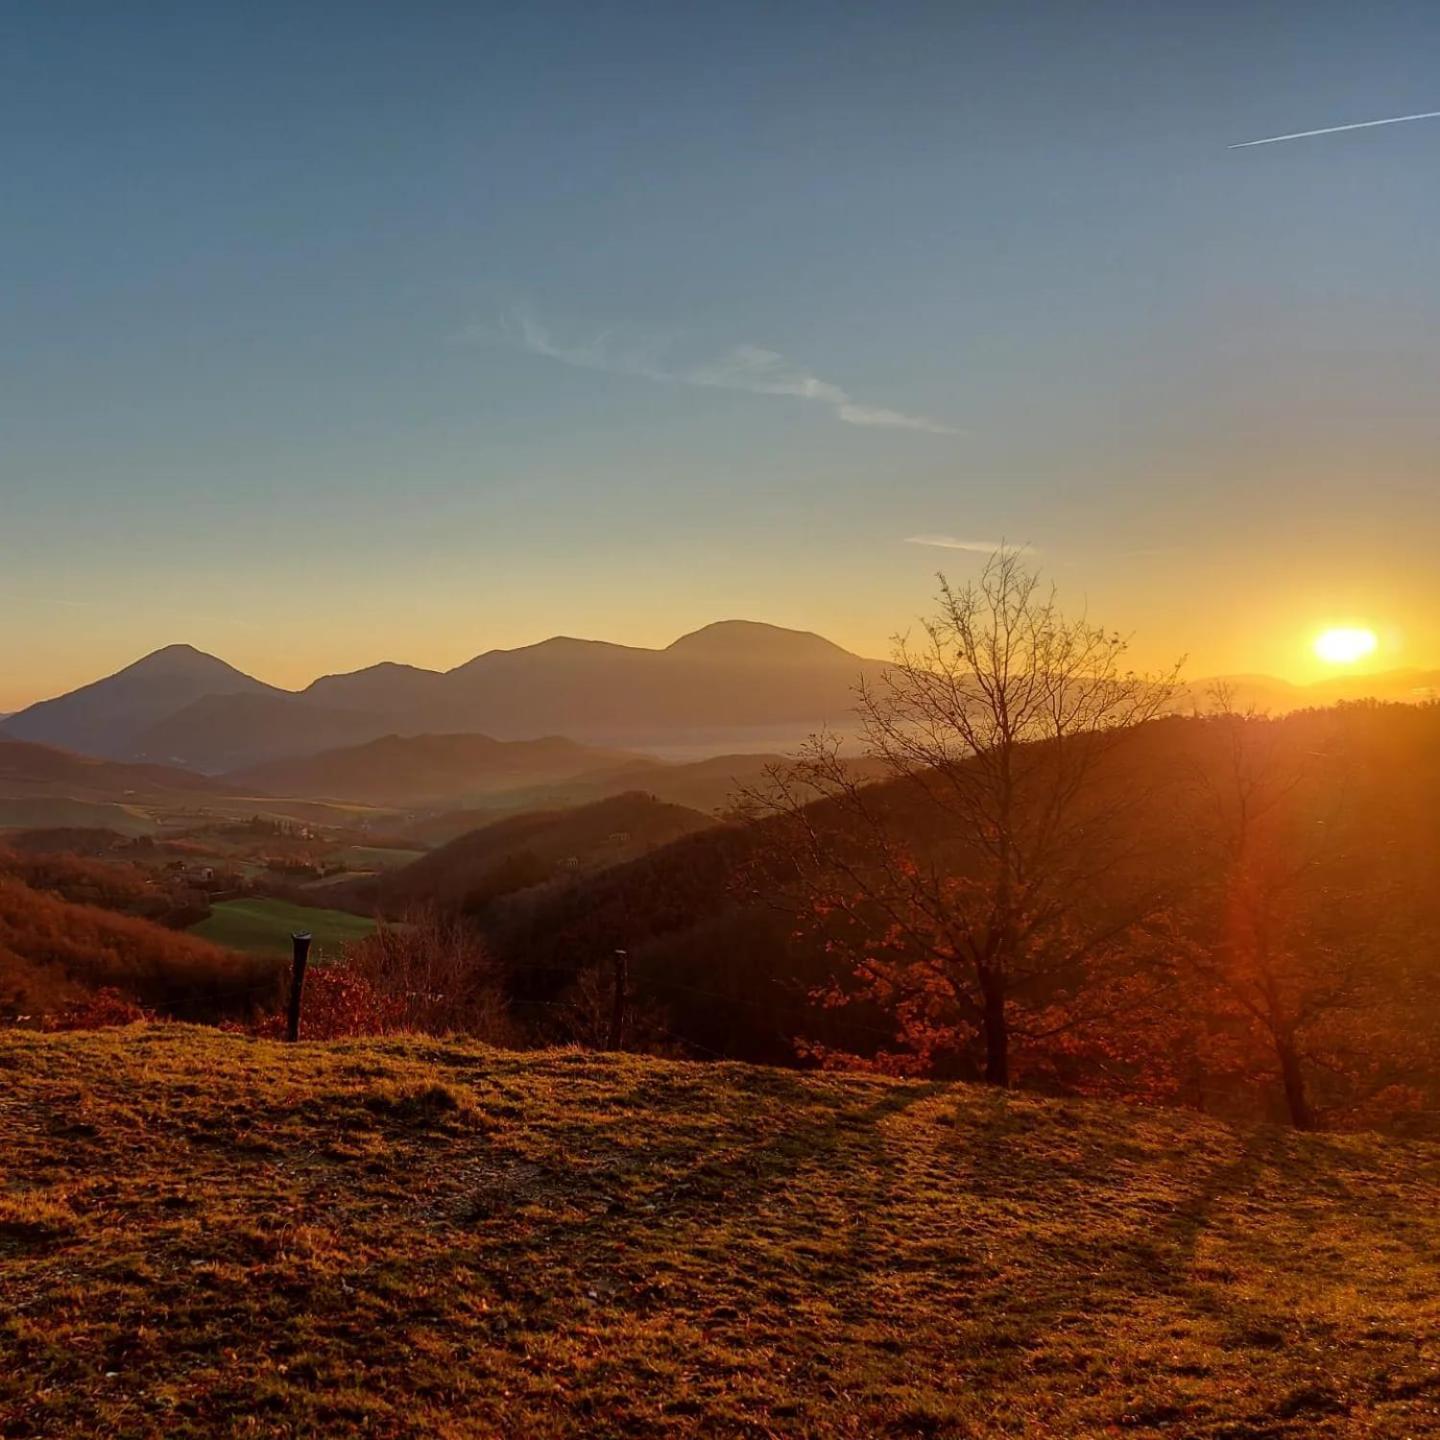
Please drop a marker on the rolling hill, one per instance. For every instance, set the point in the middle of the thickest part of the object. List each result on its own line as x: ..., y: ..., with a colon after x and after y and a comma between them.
x: 41, y: 786
x: 735, y: 980
x: 208, y: 1234
x: 709, y: 786
x: 45, y: 788
x: 488, y: 778
x: 524, y: 850
x: 29, y: 769
x: 432, y: 771
x: 54, y: 952
x: 1278, y: 697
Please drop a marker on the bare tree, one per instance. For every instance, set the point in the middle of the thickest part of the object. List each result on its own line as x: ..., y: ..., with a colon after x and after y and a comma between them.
x: 993, y: 732
x: 439, y: 976
x: 1295, y: 936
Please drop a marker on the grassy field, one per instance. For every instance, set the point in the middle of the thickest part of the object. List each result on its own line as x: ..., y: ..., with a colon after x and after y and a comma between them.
x: 43, y: 812
x: 265, y: 927
x: 207, y: 1235
x: 376, y: 857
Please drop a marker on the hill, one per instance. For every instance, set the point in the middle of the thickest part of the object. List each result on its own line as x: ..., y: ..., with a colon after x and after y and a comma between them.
x: 733, y: 683
x: 229, y: 732
x: 496, y: 777
x: 384, y: 689
x: 734, y: 675
x: 523, y: 850
x: 45, y: 788
x: 709, y: 786
x: 28, y: 770
x: 733, y: 977
x: 54, y: 952
x: 215, y: 1235
x: 41, y: 786
x: 1280, y: 697
x: 108, y: 716
x: 430, y: 771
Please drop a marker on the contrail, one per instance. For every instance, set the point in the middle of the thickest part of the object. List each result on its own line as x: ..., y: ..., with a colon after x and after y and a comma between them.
x: 1335, y: 130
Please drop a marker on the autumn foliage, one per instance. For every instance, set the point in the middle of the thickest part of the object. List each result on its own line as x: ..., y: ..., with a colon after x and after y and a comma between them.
x: 54, y: 952
x: 430, y: 975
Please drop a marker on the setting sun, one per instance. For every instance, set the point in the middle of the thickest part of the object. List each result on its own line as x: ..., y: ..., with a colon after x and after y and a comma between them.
x: 1346, y: 645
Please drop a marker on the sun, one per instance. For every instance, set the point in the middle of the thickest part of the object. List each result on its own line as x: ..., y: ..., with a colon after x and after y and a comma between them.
x: 1345, y: 645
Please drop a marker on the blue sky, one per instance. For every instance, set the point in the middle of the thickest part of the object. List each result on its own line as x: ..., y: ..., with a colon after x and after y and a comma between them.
x: 294, y: 296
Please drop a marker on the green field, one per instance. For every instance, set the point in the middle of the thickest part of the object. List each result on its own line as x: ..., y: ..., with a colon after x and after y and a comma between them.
x: 265, y: 927
x: 376, y: 857
x: 39, y: 812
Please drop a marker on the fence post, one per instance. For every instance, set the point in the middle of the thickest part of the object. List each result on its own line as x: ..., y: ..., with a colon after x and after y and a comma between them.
x: 617, y: 1008
x: 301, y: 943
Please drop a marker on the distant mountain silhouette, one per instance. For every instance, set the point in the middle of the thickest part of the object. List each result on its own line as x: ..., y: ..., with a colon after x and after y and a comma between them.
x: 1275, y: 696
x: 384, y: 689
x: 749, y: 642
x: 420, y: 771
x: 225, y: 732
x: 107, y: 717
x: 728, y: 684
x: 732, y: 685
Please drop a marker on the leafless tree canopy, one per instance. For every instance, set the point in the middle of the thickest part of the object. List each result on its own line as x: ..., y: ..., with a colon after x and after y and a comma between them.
x: 440, y: 973
x: 1303, y: 946
x: 998, y: 719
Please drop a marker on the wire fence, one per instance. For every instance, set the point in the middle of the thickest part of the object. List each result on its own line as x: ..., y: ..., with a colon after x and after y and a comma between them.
x: 209, y: 1004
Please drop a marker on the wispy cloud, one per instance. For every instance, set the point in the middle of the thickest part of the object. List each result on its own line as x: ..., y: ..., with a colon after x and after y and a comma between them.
x: 746, y: 367
x: 976, y: 547
x: 1336, y: 129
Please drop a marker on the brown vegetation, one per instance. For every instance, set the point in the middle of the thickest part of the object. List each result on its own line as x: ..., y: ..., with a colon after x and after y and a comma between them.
x: 54, y: 952
x: 206, y: 1235
x: 474, y: 870
x: 1000, y: 723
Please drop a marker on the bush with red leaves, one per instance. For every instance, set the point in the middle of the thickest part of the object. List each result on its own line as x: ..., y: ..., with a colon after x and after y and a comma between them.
x: 100, y: 1010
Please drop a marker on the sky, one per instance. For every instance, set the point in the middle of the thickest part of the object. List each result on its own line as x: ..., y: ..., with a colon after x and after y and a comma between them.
x: 339, y: 333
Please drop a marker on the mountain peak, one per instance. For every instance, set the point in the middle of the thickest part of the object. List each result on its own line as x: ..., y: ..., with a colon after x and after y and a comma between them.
x: 755, y: 641
x: 107, y: 716
x: 179, y: 659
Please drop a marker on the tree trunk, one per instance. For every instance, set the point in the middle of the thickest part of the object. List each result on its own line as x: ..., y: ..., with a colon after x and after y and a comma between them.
x: 1301, y: 1115
x: 996, y: 1030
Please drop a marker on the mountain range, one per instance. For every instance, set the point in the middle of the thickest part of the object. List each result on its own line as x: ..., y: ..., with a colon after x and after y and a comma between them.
x: 734, y: 685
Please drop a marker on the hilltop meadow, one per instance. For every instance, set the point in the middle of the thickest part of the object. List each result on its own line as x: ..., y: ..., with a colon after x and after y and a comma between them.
x: 205, y: 1235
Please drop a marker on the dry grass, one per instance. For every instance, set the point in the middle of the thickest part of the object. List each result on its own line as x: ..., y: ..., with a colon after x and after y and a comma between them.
x: 202, y: 1234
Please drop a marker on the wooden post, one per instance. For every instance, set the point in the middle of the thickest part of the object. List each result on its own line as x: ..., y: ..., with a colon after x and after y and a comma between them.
x: 617, y: 1009
x: 297, y: 982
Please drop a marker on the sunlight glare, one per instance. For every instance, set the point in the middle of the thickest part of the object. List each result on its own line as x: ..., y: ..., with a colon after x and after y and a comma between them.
x: 1345, y: 645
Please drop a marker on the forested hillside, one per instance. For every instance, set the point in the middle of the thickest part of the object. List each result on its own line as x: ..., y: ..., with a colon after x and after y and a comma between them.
x: 1342, y: 817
